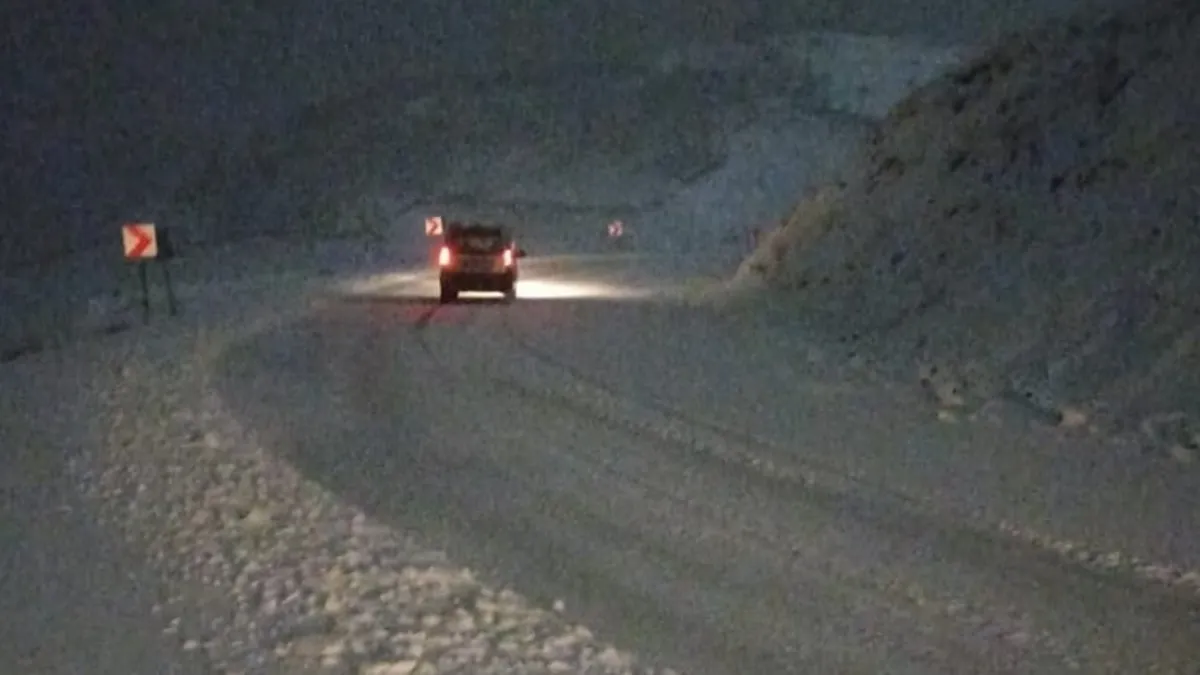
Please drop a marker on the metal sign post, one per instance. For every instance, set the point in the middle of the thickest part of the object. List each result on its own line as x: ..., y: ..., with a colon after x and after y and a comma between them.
x: 143, y: 243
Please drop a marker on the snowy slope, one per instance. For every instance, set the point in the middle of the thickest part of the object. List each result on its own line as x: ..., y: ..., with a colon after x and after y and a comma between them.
x: 688, y: 153
x: 110, y: 108
x: 852, y: 73
x: 1024, y: 229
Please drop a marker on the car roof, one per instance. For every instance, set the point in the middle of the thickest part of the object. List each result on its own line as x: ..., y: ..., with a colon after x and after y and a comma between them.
x: 475, y: 228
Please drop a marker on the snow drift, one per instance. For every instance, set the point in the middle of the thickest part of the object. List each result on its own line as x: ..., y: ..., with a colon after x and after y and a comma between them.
x: 1024, y: 228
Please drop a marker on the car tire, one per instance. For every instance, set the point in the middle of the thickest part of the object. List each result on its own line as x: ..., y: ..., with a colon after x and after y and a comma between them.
x: 448, y: 294
x: 510, y: 293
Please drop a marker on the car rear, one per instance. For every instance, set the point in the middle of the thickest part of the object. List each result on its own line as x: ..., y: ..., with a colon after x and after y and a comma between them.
x: 477, y: 260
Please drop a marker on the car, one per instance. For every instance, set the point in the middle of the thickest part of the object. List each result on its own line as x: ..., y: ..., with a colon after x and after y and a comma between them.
x: 478, y: 257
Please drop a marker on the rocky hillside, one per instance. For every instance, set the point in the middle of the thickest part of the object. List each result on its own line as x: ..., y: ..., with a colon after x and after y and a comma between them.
x: 1025, y: 229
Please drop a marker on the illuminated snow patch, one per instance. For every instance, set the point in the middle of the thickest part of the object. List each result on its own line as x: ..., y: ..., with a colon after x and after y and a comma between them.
x: 544, y: 289
x: 534, y: 285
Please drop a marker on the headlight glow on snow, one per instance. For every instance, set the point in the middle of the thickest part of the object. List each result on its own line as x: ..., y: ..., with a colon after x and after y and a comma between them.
x: 545, y: 289
x: 537, y: 284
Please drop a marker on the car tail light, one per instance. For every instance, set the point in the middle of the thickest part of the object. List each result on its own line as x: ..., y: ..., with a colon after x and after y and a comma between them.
x: 508, y: 257
x: 444, y: 257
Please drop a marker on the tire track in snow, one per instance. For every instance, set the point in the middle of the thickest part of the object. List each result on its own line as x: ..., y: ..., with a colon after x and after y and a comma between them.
x: 1074, y: 552
x: 1009, y: 636
x: 1059, y: 561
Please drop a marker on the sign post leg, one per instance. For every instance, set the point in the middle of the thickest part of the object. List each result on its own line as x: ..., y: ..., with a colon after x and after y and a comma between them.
x: 145, y: 291
x: 172, y: 307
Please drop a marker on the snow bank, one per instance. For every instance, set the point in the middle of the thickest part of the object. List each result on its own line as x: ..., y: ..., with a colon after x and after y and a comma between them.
x: 264, y: 570
x: 1024, y: 228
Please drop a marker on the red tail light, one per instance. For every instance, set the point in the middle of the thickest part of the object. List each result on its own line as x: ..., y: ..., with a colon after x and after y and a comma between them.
x: 508, y: 257
x: 444, y: 257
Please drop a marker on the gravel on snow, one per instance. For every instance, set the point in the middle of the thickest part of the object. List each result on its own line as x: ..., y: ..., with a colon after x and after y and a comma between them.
x: 289, y: 579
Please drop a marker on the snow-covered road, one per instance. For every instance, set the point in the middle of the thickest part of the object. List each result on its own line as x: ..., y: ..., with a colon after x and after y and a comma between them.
x: 692, y: 491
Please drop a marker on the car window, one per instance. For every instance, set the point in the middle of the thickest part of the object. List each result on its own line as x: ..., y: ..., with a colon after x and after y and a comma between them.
x: 481, y: 242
